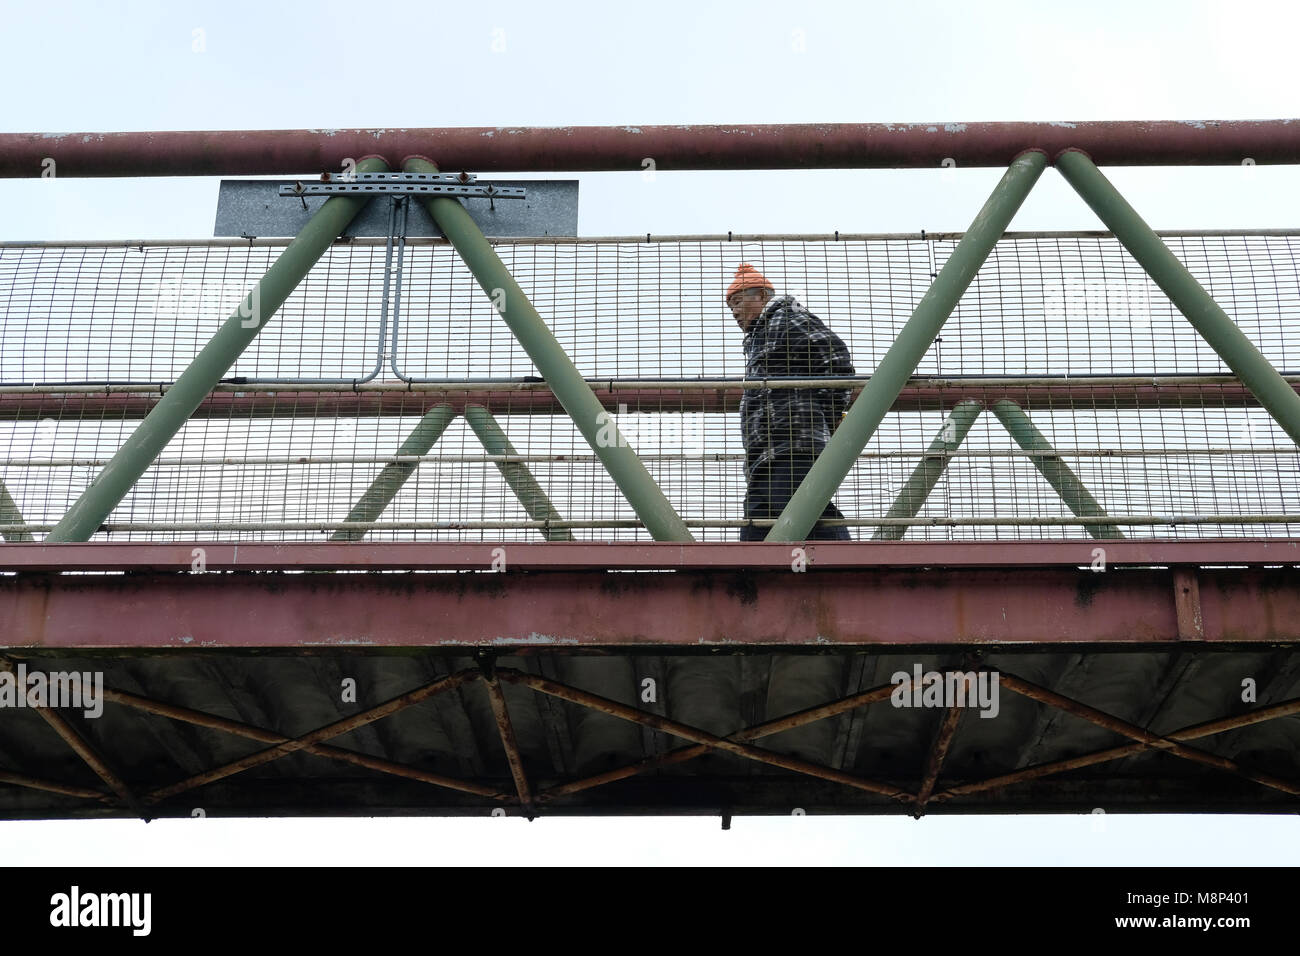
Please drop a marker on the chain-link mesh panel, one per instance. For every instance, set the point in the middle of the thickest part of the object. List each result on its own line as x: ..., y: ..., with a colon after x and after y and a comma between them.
x: 1150, y: 422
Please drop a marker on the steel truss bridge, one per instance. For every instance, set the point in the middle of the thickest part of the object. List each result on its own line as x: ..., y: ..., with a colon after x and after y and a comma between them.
x: 447, y: 526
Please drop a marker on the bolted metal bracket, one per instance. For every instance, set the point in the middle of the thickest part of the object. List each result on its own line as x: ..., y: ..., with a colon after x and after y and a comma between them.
x: 403, y: 184
x: 252, y: 208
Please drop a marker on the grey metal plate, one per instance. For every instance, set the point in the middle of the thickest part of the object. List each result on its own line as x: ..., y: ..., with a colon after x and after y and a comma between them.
x: 254, y: 208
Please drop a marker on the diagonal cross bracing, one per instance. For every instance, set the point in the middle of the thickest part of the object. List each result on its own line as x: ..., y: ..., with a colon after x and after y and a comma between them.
x: 882, y: 390
x: 572, y: 391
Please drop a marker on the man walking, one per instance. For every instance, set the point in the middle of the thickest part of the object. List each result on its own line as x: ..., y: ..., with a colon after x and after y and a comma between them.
x: 785, y: 429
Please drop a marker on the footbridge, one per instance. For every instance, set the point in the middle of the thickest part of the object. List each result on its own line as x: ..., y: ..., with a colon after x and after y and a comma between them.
x: 438, y: 514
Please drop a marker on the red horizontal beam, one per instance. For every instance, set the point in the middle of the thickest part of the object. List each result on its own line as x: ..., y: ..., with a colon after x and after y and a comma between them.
x: 569, y: 610
x: 653, y: 555
x: 30, y: 406
x: 576, y: 148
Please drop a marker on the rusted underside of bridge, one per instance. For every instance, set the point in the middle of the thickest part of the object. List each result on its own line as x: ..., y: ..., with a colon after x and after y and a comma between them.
x: 581, y: 679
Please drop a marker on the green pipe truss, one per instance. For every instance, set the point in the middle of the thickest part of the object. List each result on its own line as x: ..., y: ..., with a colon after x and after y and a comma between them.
x: 926, y: 474
x: 574, y: 394
x: 516, y: 473
x: 390, y: 479
x: 211, y: 364
x: 1050, y: 466
x: 627, y: 470
x: 899, y: 363
x: 10, y: 514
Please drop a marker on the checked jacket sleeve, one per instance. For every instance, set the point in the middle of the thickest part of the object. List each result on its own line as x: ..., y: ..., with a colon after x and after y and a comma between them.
x: 789, y: 341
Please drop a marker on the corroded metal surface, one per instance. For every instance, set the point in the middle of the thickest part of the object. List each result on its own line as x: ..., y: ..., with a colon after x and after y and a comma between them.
x: 138, y: 556
x: 253, y: 403
x: 401, y: 769
x: 576, y: 148
x: 867, y: 607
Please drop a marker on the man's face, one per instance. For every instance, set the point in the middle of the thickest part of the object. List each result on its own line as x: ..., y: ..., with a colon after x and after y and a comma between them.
x: 746, y: 305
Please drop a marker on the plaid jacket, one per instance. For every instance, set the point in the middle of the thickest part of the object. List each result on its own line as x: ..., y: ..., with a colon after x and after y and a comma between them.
x: 787, y: 340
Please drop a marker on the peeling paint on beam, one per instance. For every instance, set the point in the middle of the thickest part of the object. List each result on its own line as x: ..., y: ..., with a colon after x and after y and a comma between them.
x: 823, y: 610
x: 605, y: 148
x: 139, y: 556
x: 307, y: 403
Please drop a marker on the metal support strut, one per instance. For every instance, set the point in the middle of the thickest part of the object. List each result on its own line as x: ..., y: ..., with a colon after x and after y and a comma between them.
x: 390, y: 479
x: 1205, y: 315
x: 11, y: 514
x: 921, y: 482
x: 572, y: 391
x: 516, y: 473
x: 209, y: 366
x: 881, y: 391
x: 1049, y: 464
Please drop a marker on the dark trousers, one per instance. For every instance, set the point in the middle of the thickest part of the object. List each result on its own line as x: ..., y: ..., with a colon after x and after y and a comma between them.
x: 771, y: 489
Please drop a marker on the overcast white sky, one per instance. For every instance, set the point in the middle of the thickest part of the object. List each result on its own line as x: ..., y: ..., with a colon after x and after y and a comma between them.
x: 134, y: 66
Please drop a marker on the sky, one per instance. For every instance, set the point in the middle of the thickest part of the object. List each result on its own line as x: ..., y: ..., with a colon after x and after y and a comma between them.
x: 233, y: 65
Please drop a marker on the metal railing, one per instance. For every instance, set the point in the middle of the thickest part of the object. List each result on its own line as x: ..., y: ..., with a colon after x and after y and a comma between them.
x: 921, y: 287
x: 1146, y: 414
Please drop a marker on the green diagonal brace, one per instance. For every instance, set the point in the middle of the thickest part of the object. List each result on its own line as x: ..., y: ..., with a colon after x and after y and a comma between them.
x: 922, y: 480
x: 1057, y: 472
x: 882, y: 390
x: 516, y: 473
x: 1214, y: 325
x: 10, y: 514
x: 573, y: 393
x: 394, y: 474
x: 210, y: 365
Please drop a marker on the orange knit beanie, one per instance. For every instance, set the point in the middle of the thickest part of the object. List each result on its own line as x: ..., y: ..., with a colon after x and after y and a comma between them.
x: 747, y: 277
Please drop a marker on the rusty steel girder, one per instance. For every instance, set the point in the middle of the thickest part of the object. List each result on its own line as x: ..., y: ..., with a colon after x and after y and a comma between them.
x: 608, y: 148
x: 726, y: 594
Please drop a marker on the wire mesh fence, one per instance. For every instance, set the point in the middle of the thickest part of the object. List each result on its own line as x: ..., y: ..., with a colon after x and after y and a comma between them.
x: 1136, y: 407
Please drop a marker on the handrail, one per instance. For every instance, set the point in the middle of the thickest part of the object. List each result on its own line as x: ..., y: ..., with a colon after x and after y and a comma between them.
x: 614, y: 148
x: 924, y: 235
